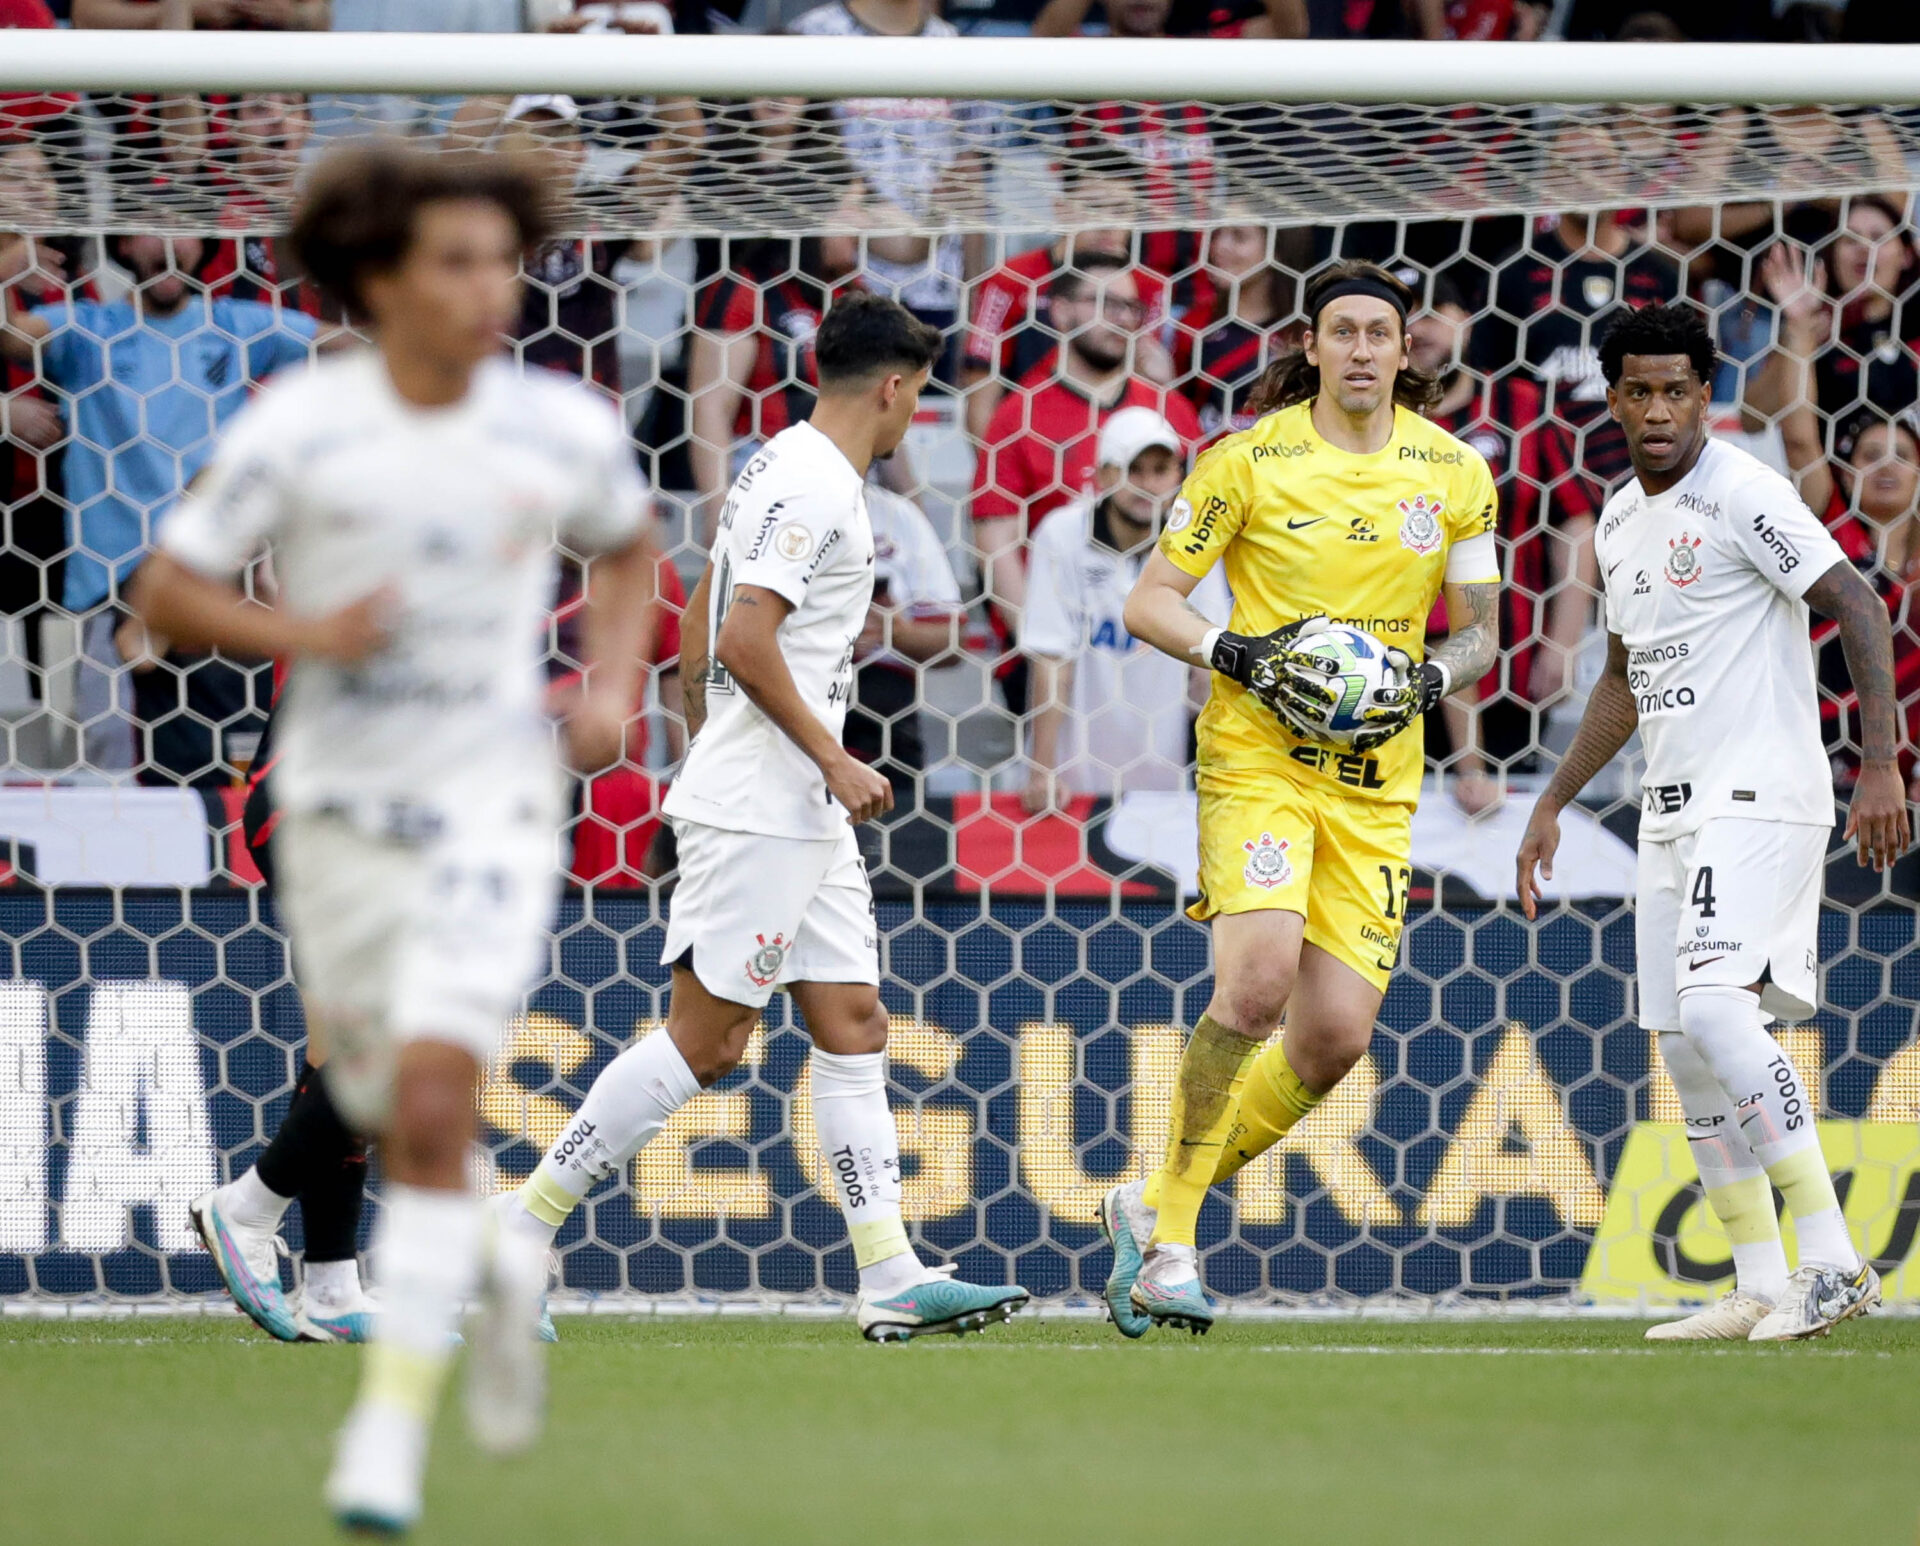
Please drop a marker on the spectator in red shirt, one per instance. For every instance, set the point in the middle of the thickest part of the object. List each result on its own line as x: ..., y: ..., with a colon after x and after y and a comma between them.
x: 1007, y: 329
x: 1178, y: 18
x: 618, y: 816
x: 32, y: 522
x: 1221, y: 347
x: 751, y: 371
x: 268, y: 130
x: 1039, y: 451
x: 1478, y: 21
x: 1868, y: 493
x: 22, y: 111
x: 1543, y: 611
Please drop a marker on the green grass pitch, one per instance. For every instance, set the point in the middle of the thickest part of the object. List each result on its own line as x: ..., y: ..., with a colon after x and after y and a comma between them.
x: 1043, y: 1433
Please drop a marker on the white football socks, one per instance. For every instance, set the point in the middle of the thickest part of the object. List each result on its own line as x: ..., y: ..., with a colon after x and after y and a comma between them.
x: 250, y: 1203
x: 1775, y: 1112
x: 627, y: 1105
x: 862, y: 1150
x: 1731, y: 1175
x: 427, y: 1252
x: 332, y: 1284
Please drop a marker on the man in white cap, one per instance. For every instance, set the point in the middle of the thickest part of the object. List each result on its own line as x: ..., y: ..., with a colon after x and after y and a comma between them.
x: 1109, y: 713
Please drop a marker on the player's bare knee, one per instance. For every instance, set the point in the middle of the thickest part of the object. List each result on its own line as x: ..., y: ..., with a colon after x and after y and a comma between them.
x: 432, y: 1123
x: 1325, y: 1057
x: 866, y: 1031
x: 1253, y: 1003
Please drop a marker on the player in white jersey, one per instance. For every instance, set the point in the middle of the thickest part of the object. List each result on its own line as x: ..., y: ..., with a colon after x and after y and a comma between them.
x: 411, y: 496
x: 773, y: 893
x: 1710, y: 563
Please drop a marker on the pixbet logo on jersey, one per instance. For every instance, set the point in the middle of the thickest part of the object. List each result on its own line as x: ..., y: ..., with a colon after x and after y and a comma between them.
x: 1683, y: 560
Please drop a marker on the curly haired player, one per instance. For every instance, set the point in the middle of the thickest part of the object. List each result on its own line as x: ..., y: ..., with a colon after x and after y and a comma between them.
x: 1341, y: 502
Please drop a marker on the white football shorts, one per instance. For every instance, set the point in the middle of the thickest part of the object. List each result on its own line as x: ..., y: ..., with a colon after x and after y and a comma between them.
x: 396, y: 941
x: 757, y: 912
x: 1735, y: 903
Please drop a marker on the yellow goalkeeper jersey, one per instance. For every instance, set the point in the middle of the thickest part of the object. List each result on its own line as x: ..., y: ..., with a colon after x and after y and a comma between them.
x: 1305, y: 527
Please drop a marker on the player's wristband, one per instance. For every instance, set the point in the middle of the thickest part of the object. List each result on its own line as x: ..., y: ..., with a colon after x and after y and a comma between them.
x: 1435, y: 682
x: 1231, y: 654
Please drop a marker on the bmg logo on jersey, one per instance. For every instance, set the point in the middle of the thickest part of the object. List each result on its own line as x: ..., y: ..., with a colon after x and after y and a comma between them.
x: 1683, y: 560
x: 1777, y: 543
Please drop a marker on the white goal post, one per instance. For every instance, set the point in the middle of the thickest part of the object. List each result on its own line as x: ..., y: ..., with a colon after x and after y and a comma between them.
x: 1070, y: 69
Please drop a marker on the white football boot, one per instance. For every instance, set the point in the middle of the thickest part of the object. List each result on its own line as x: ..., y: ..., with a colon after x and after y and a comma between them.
x: 1818, y: 1299
x: 378, y: 1468
x: 1127, y: 1222
x: 1730, y: 1318
x: 506, y: 1388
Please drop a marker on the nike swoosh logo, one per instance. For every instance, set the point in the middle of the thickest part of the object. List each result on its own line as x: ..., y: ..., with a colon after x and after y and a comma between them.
x: 1694, y: 966
x: 1613, y: 566
x: 1293, y: 525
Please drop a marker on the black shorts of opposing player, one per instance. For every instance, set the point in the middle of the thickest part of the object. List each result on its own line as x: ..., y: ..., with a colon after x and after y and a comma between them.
x: 313, y: 1154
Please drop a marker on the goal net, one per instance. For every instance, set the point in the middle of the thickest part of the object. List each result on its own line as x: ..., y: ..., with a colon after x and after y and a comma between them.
x: 1510, y: 1136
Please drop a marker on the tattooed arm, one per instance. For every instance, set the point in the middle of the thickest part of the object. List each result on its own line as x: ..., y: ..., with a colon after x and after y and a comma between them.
x: 695, y: 657
x: 1877, y: 819
x: 748, y: 649
x: 1607, y: 725
x: 1472, y: 646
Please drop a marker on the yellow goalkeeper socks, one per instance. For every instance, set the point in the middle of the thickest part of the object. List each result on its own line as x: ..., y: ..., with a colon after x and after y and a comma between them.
x: 1272, y: 1104
x: 1205, y: 1095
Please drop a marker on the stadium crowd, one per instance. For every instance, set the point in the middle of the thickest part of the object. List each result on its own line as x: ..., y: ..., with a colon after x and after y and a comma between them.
x: 1116, y: 322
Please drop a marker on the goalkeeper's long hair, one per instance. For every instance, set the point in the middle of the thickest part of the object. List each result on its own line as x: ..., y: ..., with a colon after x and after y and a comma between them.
x: 1292, y: 379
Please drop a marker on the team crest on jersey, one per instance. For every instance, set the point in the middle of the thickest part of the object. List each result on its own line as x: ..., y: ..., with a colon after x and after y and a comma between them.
x: 1420, y: 523
x: 1596, y: 290
x: 1683, y: 560
x: 793, y: 542
x: 765, y: 963
x: 1267, y: 864
x: 1180, y: 517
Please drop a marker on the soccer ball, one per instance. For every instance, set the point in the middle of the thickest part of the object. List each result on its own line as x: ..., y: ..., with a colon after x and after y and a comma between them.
x: 1354, y: 664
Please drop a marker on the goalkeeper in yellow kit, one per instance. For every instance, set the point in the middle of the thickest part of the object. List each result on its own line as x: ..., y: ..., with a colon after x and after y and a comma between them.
x: 1342, y: 503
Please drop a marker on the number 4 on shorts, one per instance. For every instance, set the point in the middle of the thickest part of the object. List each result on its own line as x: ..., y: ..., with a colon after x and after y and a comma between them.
x: 1702, y: 897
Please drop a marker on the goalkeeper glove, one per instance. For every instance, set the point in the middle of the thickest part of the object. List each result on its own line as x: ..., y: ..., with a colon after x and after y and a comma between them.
x: 1287, y: 682
x: 1394, y: 708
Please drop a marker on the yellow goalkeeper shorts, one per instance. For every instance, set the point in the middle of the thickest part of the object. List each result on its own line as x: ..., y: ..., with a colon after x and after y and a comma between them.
x: 1343, y: 864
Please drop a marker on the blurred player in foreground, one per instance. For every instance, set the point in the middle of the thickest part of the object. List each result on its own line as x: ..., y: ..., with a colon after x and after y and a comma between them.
x: 1341, y: 502
x: 1711, y: 562
x: 773, y: 892
x: 411, y: 496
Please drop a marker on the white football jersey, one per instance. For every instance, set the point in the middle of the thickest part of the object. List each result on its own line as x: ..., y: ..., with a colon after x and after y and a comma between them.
x: 458, y: 511
x: 1126, y: 727
x: 795, y: 522
x: 1704, y: 585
